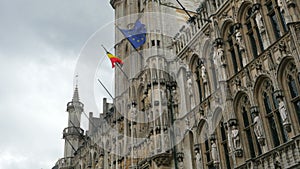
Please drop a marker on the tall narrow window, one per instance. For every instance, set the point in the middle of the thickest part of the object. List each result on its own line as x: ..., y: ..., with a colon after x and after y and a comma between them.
x: 224, y: 144
x: 291, y: 82
x: 276, y: 18
x: 245, y: 120
x: 207, y: 150
x: 253, y: 36
x: 269, y: 106
x: 232, y: 49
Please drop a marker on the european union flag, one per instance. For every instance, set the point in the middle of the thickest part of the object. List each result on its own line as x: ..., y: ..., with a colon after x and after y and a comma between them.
x: 136, y: 35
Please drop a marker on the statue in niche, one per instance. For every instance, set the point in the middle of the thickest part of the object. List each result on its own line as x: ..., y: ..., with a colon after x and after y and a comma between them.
x: 219, y: 62
x: 239, y: 39
x: 147, y: 101
x: 100, y: 163
x: 166, y: 140
x: 180, y: 163
x: 158, y: 141
x: 198, y: 159
x: 220, y: 53
x: 235, y: 138
x: 190, y: 90
x: 152, y: 146
x: 174, y: 96
x: 203, y: 73
x: 259, y: 21
x: 258, y: 128
x: 282, y: 110
x: 214, y: 151
x: 190, y: 85
x: 280, y: 5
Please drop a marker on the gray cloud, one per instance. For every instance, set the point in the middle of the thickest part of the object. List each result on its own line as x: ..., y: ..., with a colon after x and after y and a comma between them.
x: 39, y: 45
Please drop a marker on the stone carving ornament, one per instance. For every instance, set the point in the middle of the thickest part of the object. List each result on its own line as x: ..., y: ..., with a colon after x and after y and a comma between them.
x: 258, y: 128
x: 282, y: 111
x: 235, y: 138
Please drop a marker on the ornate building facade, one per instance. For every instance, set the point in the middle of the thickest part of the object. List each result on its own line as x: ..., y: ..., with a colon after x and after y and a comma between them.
x: 218, y: 90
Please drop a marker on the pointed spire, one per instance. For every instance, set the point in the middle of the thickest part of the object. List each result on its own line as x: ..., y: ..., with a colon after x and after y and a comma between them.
x: 75, y: 95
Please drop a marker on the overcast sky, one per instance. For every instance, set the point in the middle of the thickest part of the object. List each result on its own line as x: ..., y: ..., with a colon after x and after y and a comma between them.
x: 41, y: 42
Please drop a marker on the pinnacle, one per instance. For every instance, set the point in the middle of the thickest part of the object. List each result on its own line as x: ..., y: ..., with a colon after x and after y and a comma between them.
x: 75, y: 95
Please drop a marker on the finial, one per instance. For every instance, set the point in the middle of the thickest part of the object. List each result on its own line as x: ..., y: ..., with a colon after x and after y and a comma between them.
x: 76, y: 94
x: 76, y: 81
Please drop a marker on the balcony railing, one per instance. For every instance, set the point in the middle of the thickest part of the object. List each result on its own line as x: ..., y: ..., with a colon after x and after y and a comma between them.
x: 65, y: 163
x: 73, y: 131
x: 283, y: 156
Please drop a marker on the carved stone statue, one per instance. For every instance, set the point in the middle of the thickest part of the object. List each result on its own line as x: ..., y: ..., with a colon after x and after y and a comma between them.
x: 180, y: 164
x: 152, y: 146
x: 259, y: 21
x: 167, y: 141
x: 203, y: 73
x: 190, y: 85
x: 220, y: 54
x: 282, y: 111
x: 190, y: 90
x: 214, y: 152
x: 235, y: 138
x: 198, y: 160
x: 100, y: 163
x: 133, y: 114
x: 258, y: 128
x: 147, y: 101
x: 280, y: 5
x: 239, y: 39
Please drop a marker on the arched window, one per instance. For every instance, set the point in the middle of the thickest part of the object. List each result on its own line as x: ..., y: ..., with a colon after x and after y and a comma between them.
x: 269, y: 107
x: 253, y: 36
x: 195, y: 68
x: 291, y: 83
x: 275, y: 9
x: 232, y: 50
x: 207, y: 150
x: 203, y: 138
x: 252, y: 148
x: 225, y: 159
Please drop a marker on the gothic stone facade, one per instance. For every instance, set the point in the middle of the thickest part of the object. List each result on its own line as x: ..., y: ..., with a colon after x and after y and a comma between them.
x: 223, y: 92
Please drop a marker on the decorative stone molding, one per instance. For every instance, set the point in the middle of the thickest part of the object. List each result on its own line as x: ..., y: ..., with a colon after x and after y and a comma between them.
x: 282, y: 110
x: 218, y: 42
x: 162, y: 159
x: 144, y: 164
x: 258, y: 128
x: 235, y: 136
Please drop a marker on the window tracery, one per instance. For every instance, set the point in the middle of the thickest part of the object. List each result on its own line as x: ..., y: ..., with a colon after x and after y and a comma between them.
x: 269, y: 108
x: 252, y: 23
x: 291, y: 82
x: 246, y: 122
x: 276, y: 18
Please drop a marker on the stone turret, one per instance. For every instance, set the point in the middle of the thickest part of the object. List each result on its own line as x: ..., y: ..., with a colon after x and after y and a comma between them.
x: 73, y: 133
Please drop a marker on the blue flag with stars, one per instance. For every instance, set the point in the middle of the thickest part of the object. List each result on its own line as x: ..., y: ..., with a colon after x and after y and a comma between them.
x: 136, y: 35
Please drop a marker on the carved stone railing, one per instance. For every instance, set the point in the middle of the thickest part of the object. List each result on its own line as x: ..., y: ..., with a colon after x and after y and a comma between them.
x: 75, y: 105
x: 73, y: 131
x: 283, y: 156
x: 187, y: 33
x: 65, y: 163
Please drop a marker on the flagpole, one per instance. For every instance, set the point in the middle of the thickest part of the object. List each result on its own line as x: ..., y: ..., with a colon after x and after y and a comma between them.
x: 183, y: 8
x: 105, y: 89
x: 117, y: 64
x: 122, y: 71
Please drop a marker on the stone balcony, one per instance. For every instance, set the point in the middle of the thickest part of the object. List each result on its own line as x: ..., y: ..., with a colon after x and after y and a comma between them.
x: 73, y: 131
x: 284, y: 156
x: 65, y: 163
